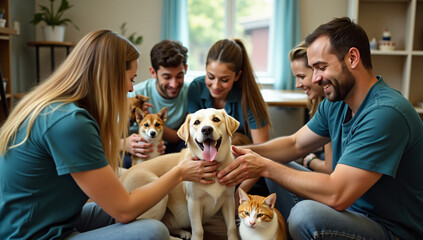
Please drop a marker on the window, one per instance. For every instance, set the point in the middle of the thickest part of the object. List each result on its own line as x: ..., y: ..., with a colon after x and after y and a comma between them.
x: 210, y: 21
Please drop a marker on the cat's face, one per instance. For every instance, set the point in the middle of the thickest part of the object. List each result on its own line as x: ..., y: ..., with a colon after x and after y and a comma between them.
x: 256, y: 211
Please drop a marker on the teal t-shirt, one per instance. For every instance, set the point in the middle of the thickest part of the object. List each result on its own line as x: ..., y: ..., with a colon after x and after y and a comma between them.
x: 386, y: 136
x: 38, y: 197
x: 199, y: 97
x: 177, y: 107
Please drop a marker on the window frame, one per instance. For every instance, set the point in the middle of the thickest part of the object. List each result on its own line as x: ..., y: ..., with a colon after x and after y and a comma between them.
x: 263, y: 77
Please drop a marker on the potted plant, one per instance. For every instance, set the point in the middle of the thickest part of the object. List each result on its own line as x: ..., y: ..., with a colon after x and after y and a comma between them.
x: 56, y: 24
x: 136, y: 40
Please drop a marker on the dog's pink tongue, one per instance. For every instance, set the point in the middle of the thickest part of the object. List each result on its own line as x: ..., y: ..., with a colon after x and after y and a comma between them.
x: 210, y: 151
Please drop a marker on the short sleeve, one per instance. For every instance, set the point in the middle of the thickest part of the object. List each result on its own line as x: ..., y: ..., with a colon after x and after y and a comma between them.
x: 319, y: 123
x: 74, y: 143
x: 194, y: 96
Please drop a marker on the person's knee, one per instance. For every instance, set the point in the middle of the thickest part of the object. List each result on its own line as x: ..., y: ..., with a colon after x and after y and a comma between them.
x: 157, y: 228
x: 305, y: 215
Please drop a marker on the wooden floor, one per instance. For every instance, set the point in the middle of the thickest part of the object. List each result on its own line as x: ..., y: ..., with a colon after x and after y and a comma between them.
x: 215, y: 228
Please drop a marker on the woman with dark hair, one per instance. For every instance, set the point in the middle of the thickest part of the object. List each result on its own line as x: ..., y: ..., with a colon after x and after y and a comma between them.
x: 230, y: 84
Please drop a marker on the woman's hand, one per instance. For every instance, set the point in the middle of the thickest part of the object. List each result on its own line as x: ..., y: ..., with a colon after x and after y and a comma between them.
x: 195, y: 170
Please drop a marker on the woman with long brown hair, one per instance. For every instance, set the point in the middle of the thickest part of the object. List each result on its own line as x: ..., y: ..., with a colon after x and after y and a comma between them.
x: 60, y: 146
x: 230, y: 84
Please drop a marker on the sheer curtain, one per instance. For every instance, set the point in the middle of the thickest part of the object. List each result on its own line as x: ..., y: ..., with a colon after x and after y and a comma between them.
x: 174, y: 25
x: 284, y: 35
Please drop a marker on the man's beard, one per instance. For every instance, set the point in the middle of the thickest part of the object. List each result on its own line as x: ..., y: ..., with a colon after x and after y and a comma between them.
x: 163, y: 91
x: 341, y: 90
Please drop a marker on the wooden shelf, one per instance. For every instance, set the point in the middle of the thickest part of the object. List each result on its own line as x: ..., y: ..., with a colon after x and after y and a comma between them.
x: 400, y: 68
x: 51, y: 43
x: 19, y: 95
x: 6, y: 59
x: 8, y: 31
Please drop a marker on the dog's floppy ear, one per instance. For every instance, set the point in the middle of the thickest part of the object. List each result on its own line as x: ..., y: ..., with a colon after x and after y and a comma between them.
x: 231, y: 123
x: 163, y: 114
x: 139, y: 114
x: 183, y: 131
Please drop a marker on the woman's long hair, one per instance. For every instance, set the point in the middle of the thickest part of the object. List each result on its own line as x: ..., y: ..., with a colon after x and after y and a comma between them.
x: 299, y: 52
x: 93, y: 76
x: 234, y: 55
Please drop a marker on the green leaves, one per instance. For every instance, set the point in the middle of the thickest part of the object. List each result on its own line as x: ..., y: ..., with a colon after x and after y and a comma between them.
x: 52, y: 18
x: 136, y: 40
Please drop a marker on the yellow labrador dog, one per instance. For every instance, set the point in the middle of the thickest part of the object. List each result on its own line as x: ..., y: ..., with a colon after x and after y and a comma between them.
x: 207, y: 133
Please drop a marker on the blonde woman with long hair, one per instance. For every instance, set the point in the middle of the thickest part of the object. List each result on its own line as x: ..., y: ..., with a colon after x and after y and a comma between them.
x: 60, y: 146
x: 303, y: 75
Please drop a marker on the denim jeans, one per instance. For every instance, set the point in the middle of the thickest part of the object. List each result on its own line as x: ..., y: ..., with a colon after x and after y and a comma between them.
x: 307, y: 219
x: 94, y: 223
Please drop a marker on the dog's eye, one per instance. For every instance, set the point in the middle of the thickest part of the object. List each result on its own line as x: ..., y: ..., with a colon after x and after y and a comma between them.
x: 133, y: 110
x: 196, y: 122
x: 145, y: 124
x: 215, y: 119
x: 157, y: 124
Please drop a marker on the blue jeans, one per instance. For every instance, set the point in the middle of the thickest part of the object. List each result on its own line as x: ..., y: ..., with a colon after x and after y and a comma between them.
x: 309, y: 219
x: 94, y: 223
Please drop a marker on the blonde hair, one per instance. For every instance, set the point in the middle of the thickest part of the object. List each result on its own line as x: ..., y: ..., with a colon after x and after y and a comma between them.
x: 234, y: 55
x: 93, y: 77
x: 299, y: 52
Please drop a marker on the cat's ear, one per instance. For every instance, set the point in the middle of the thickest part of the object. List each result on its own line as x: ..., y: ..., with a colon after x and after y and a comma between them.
x: 243, y: 196
x: 270, y: 200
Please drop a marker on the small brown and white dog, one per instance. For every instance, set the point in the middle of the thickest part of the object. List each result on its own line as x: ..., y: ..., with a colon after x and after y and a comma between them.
x: 207, y: 133
x: 151, y: 128
x: 134, y: 103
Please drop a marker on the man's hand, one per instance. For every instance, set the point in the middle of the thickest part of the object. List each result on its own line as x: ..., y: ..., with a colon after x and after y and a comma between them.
x: 137, y: 146
x: 247, y: 164
x: 145, y: 107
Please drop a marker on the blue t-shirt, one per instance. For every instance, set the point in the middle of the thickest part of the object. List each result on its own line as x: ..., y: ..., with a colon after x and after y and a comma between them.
x: 177, y: 107
x: 199, y: 97
x: 38, y: 197
x: 386, y: 136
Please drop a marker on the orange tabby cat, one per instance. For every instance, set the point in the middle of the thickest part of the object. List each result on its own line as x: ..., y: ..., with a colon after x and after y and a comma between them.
x: 260, y: 220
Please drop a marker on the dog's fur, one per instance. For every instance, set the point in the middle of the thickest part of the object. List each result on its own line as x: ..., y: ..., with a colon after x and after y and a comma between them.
x: 191, y: 203
x: 134, y: 103
x: 240, y: 139
x: 151, y: 128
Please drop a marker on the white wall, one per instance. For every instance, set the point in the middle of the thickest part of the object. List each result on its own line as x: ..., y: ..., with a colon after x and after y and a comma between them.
x: 144, y: 17
x: 313, y: 13
x: 141, y: 16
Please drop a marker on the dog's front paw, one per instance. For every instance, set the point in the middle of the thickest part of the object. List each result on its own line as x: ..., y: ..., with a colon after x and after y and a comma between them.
x: 182, y: 234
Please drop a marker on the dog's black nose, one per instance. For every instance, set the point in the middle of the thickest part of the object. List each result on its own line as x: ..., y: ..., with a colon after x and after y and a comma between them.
x: 206, y: 130
x: 153, y: 134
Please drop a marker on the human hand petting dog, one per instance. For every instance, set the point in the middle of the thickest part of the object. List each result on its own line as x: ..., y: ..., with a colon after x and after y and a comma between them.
x: 198, y: 171
x: 247, y: 164
x: 139, y: 147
